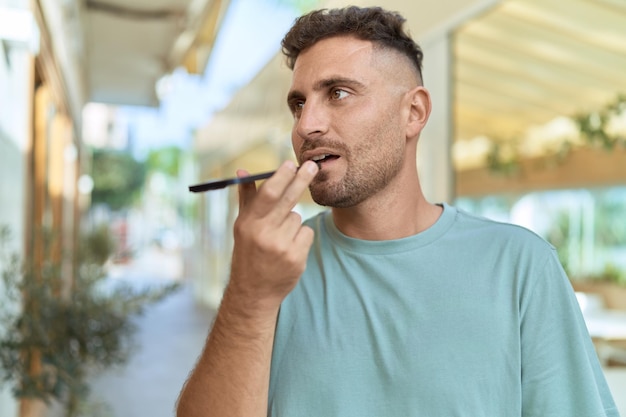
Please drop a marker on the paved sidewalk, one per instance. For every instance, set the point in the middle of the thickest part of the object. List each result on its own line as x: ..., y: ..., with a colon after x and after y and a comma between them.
x: 170, y: 337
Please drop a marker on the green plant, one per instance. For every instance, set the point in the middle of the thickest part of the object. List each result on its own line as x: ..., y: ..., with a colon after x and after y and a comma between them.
x: 594, y: 126
x: 595, y: 130
x: 118, y: 178
x: 559, y: 235
x: 612, y: 274
x: 59, y: 328
x: 503, y: 159
x: 165, y: 160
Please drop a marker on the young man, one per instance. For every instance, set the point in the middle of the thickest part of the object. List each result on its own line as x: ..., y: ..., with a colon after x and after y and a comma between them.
x: 387, y: 305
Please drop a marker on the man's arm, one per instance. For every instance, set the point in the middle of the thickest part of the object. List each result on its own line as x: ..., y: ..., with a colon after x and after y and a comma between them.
x: 561, y: 373
x: 231, y: 378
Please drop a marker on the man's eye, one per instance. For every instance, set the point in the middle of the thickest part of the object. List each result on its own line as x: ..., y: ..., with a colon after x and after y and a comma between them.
x: 296, y: 106
x: 338, y: 94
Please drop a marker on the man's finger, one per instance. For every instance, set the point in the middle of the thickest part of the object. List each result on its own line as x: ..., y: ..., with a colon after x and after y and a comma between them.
x: 272, y: 190
x: 308, y: 170
x: 294, y: 190
x: 246, y: 191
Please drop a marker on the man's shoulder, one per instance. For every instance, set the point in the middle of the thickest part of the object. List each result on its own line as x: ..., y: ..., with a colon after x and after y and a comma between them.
x: 497, y: 231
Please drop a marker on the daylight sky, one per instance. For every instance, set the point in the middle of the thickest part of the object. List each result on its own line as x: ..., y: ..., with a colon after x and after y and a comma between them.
x: 250, y: 36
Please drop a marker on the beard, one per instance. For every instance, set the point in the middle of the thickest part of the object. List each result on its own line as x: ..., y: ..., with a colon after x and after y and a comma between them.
x: 369, y: 170
x: 374, y: 160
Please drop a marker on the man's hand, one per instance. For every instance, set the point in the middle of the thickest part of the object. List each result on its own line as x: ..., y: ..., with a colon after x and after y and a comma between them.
x: 232, y: 376
x: 271, y: 244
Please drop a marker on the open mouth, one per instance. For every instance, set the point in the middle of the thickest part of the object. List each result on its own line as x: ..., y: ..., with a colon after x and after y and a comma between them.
x: 321, y: 159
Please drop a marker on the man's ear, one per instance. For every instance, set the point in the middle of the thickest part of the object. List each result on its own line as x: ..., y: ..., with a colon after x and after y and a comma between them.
x: 419, y: 111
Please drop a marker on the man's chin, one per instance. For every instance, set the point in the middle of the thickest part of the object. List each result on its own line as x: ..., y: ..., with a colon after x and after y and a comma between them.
x: 327, y: 198
x: 321, y: 195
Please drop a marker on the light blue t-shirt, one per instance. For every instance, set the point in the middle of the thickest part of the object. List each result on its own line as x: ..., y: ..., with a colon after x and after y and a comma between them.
x: 469, y: 318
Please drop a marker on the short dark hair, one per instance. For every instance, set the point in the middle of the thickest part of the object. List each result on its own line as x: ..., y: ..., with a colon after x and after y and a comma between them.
x: 382, y: 27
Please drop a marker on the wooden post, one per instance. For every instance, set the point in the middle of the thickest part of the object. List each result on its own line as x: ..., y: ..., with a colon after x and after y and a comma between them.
x: 30, y: 407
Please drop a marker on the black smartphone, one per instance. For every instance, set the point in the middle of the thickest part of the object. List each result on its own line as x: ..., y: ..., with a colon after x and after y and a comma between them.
x: 217, y: 184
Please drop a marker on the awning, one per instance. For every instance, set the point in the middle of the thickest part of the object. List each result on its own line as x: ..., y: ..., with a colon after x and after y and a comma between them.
x: 130, y: 44
x: 517, y: 64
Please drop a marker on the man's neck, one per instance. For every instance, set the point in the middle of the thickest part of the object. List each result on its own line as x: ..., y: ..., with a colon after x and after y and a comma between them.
x: 392, y: 218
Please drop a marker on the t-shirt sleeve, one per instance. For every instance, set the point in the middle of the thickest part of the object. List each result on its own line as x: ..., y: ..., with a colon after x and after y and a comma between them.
x: 561, y: 373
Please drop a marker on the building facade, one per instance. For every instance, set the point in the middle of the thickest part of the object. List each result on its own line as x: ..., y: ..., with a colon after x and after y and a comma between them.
x: 56, y: 56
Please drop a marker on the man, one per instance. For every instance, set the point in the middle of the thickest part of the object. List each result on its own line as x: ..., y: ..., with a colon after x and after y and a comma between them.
x: 387, y: 305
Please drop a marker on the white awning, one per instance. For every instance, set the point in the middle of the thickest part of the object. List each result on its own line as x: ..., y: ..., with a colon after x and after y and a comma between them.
x: 130, y: 45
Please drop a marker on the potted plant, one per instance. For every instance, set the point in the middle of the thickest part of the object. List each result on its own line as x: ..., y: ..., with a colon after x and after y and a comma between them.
x: 58, y: 330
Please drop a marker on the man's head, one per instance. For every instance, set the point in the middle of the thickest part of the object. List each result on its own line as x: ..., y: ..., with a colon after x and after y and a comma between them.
x: 374, y: 24
x: 358, y: 103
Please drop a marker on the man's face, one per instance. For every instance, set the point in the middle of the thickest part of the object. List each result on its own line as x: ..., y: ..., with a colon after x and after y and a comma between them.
x: 347, y: 105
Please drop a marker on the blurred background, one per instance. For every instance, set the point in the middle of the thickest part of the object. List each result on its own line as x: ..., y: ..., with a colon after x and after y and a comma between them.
x: 110, y: 109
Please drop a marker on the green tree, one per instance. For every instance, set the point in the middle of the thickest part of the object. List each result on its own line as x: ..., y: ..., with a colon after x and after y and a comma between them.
x: 301, y: 6
x: 118, y: 178
x: 166, y: 160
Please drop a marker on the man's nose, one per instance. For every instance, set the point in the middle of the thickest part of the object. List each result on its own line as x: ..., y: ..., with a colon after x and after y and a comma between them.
x: 313, y: 120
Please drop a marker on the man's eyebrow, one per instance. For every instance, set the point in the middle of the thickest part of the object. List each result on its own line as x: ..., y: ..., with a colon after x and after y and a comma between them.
x: 294, y: 95
x: 329, y: 82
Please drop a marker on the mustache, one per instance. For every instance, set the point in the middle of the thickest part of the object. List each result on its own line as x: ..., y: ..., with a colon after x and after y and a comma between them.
x: 329, y: 144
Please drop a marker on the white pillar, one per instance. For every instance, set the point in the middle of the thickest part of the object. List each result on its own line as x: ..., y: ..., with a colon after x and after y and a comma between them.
x: 434, y: 150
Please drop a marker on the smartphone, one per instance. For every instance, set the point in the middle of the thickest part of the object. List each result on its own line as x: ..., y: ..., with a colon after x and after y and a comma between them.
x: 218, y: 184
